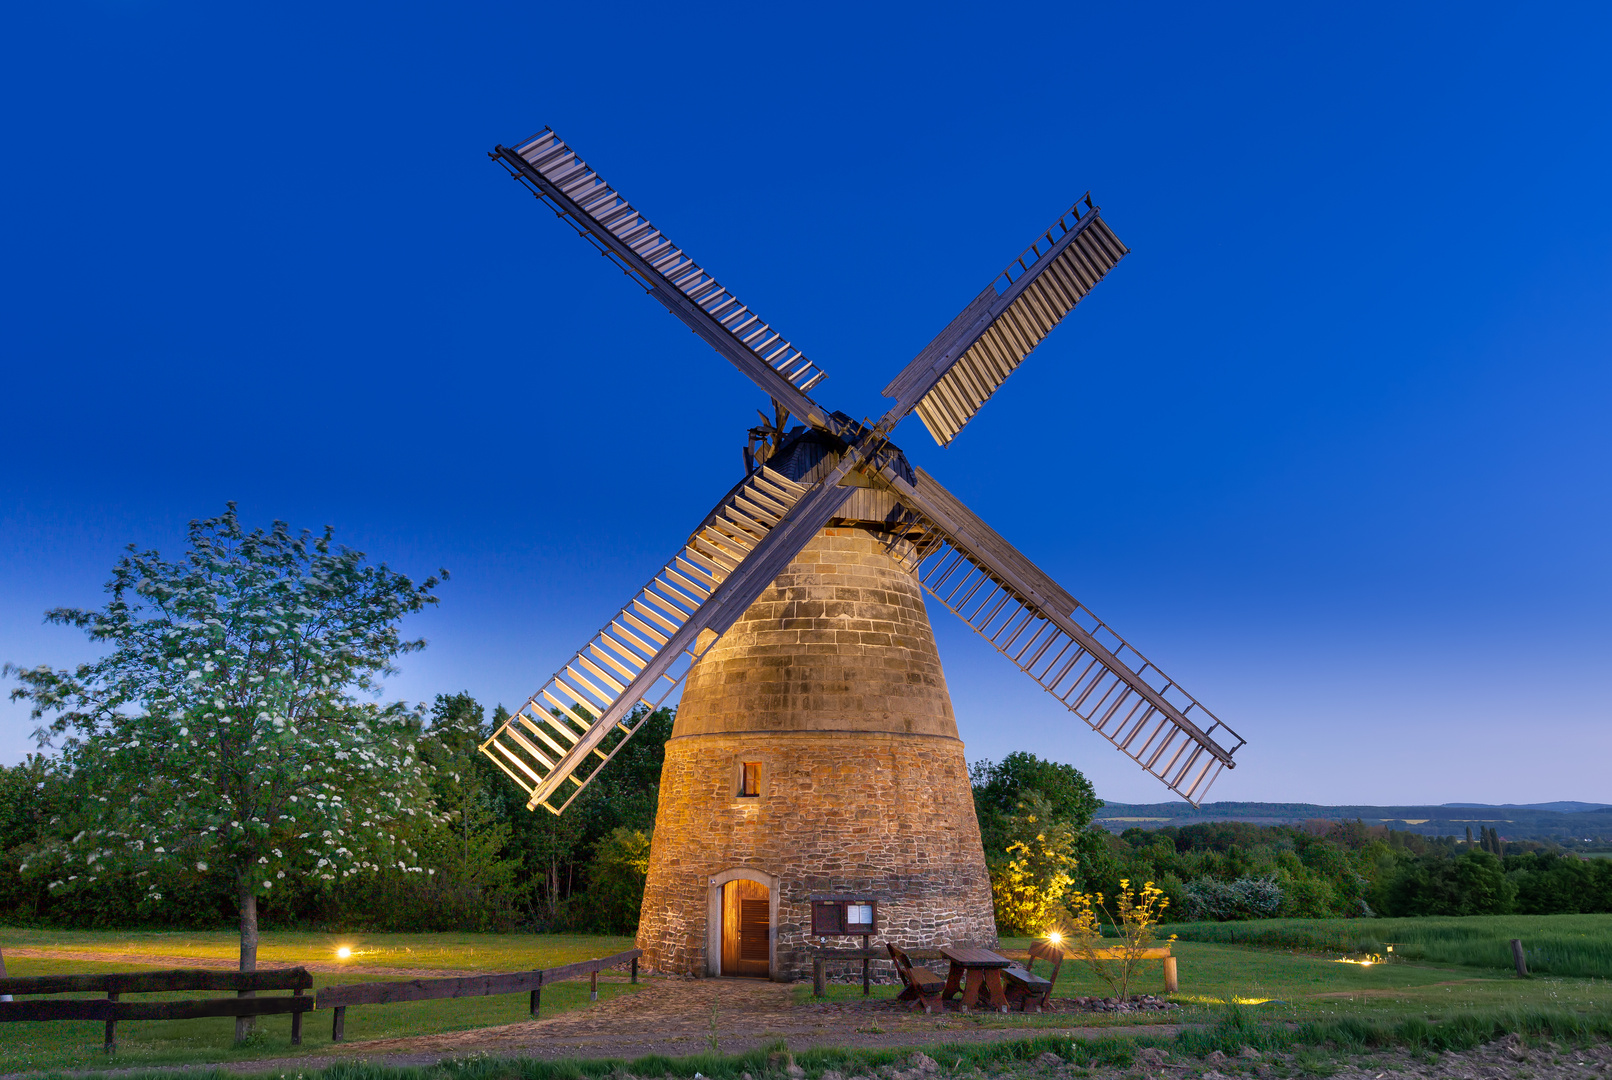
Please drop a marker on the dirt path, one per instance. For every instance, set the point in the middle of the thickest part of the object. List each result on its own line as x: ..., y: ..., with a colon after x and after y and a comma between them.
x: 685, y: 1016
x: 677, y: 1017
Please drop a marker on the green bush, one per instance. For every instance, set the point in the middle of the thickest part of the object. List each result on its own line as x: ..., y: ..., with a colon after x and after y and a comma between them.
x: 616, y: 878
x: 1244, y: 898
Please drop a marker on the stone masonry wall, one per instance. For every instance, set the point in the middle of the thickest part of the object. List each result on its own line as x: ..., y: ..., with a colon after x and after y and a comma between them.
x: 831, y: 682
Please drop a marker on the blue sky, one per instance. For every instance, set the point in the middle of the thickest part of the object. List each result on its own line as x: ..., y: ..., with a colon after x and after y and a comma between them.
x: 1331, y: 445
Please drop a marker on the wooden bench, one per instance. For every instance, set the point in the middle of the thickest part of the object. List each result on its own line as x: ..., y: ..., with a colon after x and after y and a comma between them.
x: 112, y: 1010
x: 923, y: 987
x: 1025, y: 988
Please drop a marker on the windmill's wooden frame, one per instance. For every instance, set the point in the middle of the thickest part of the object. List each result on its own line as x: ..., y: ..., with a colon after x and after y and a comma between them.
x: 555, y: 744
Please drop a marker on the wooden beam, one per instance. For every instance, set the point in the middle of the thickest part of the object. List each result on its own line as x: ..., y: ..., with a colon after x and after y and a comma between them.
x: 155, y: 982
x: 663, y: 289
x: 103, y: 1009
x: 385, y: 993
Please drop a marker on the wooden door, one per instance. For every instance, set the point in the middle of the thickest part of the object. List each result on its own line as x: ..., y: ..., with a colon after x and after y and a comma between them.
x: 746, y: 929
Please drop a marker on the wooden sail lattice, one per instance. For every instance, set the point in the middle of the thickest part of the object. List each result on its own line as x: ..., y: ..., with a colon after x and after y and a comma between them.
x: 1058, y: 642
x: 957, y: 373
x: 585, y: 714
x: 604, y: 208
x: 560, y: 734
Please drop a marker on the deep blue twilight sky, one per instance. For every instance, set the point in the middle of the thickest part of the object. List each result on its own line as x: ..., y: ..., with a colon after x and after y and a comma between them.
x: 1347, y: 400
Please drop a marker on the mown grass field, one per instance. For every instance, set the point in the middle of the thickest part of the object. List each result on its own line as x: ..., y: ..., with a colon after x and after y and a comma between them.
x: 1281, y: 985
x: 1278, y: 986
x: 76, y: 1044
x: 445, y: 952
x: 1569, y: 945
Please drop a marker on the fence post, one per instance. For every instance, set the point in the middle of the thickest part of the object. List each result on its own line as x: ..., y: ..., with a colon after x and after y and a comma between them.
x: 338, y: 1023
x: 593, y: 985
x: 1172, y: 983
x: 819, y: 982
x: 1518, y: 958
x: 634, y: 969
x: 296, y: 1021
x: 866, y: 987
x: 537, y: 995
x: 111, y: 1026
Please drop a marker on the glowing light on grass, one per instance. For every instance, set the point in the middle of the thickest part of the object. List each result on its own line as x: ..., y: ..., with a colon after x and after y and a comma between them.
x: 343, y: 953
x: 1360, y: 961
x: 1054, y: 937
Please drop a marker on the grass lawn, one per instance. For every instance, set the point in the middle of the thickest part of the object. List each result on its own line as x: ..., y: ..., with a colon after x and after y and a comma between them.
x: 77, y: 1044
x: 1578, y: 945
x: 1278, y: 988
x: 444, y: 952
x: 1285, y: 986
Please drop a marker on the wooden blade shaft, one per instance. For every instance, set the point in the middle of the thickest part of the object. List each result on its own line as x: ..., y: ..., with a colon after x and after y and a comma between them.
x: 559, y: 735
x: 554, y: 172
x: 955, y: 374
x: 1060, y: 644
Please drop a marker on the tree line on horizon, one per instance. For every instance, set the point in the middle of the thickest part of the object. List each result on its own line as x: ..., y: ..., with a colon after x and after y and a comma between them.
x: 490, y: 864
x: 227, y: 758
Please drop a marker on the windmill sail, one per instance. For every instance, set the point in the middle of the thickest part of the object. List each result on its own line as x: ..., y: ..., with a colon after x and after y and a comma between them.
x: 554, y: 172
x: 956, y: 373
x: 1060, y: 644
x: 560, y: 734
x: 582, y: 717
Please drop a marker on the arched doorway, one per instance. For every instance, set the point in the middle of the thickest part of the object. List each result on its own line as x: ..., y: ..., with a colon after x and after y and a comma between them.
x: 746, y: 929
x: 742, y: 924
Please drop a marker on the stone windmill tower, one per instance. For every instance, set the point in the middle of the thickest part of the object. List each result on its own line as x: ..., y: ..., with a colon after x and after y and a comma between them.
x: 814, y: 781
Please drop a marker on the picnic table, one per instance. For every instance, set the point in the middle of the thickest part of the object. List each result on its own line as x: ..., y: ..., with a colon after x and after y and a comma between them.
x: 973, y: 971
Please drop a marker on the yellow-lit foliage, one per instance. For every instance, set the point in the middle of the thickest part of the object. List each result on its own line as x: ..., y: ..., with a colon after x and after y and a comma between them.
x: 1028, y: 888
x: 1135, y: 914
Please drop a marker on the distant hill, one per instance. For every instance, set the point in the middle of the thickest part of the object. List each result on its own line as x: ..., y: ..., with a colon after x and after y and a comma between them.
x: 1557, y: 821
x: 1559, y: 807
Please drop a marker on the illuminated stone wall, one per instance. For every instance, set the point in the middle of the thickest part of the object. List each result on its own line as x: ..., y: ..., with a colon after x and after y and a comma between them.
x: 831, y: 681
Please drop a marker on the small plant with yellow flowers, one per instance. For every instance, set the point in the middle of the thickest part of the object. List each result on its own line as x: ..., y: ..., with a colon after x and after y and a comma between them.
x: 1136, y: 914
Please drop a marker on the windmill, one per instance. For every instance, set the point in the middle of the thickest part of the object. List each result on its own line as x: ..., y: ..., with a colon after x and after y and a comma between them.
x: 814, y: 773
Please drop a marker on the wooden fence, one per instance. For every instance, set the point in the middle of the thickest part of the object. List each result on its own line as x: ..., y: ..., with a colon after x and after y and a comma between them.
x: 338, y: 998
x: 244, y: 983
x: 111, y: 1009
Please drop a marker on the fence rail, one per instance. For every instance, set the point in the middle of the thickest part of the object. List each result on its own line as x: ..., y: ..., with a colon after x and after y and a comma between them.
x: 113, y: 985
x: 338, y: 998
x: 156, y: 982
x: 297, y: 980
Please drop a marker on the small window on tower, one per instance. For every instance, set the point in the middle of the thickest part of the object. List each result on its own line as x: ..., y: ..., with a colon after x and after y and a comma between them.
x: 750, y: 780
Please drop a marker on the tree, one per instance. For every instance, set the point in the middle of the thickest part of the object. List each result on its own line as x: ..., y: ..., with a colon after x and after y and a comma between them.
x: 471, y: 884
x: 1067, y: 800
x: 1033, y: 869
x: 223, y: 727
x: 616, y: 877
x: 554, y: 849
x: 28, y: 791
x: 462, y: 778
x: 999, y: 787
